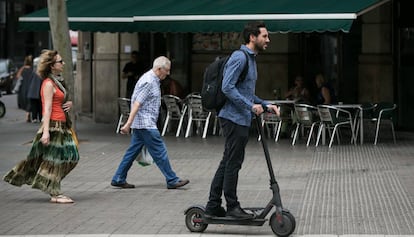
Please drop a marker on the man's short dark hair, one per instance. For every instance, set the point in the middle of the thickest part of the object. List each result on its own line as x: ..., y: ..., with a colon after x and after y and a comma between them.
x: 136, y: 53
x: 252, y: 28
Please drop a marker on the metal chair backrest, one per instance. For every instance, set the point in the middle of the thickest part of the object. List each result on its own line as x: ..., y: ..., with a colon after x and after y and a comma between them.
x: 124, y: 110
x: 286, y: 111
x: 270, y: 118
x: 306, y: 114
x: 196, y: 113
x: 195, y: 107
x: 325, y: 114
x: 173, y: 104
x: 275, y: 123
x: 124, y: 106
x: 334, y: 117
x: 384, y: 110
x: 368, y: 109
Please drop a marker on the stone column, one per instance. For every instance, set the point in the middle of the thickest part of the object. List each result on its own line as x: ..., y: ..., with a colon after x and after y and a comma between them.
x: 105, y: 74
x: 375, y: 62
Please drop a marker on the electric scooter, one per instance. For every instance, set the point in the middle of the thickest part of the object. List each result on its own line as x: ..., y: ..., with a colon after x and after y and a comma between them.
x: 281, y: 221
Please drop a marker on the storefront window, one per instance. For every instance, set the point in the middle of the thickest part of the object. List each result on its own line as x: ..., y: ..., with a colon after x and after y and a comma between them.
x: 216, y: 41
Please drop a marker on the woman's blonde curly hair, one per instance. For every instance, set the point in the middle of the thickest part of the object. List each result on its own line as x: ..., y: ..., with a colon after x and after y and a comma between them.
x: 47, y: 59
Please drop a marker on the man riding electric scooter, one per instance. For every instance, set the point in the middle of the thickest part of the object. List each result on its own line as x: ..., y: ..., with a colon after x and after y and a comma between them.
x: 235, y: 119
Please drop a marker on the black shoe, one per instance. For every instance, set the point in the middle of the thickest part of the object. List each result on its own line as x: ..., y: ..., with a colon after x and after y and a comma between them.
x: 215, y: 212
x: 124, y: 185
x: 238, y: 213
x: 179, y: 184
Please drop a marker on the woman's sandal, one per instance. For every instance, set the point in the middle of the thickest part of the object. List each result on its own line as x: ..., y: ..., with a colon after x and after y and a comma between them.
x: 61, y: 199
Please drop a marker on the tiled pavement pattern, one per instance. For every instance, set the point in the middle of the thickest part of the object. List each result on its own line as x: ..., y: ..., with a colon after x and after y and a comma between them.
x: 343, y: 191
x: 195, y: 235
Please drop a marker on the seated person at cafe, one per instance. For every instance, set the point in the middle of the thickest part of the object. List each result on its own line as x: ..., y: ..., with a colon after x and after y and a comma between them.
x: 298, y: 92
x: 326, y: 93
x: 170, y: 86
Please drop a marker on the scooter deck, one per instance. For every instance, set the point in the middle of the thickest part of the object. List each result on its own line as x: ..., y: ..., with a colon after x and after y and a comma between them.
x: 233, y: 221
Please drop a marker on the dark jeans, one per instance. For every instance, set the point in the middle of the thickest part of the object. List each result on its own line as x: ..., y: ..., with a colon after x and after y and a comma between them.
x: 227, y: 174
x: 36, y: 109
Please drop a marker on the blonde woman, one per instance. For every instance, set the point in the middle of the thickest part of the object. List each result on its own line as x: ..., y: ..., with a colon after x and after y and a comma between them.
x: 54, y: 151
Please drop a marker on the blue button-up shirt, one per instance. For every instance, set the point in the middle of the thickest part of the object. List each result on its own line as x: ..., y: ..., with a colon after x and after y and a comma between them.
x: 148, y: 93
x: 240, y: 94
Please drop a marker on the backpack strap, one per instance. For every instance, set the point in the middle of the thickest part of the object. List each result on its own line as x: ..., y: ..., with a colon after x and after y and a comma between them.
x: 246, y: 67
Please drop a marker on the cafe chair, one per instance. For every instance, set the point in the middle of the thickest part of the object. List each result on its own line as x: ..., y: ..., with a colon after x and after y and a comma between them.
x: 273, y: 124
x: 287, y: 114
x: 124, y: 109
x: 332, y: 118
x: 306, y: 117
x: 175, y: 112
x: 383, y: 112
x: 196, y: 114
x: 216, y: 124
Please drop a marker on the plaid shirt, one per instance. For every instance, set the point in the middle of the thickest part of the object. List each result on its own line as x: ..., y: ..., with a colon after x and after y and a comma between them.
x: 148, y: 93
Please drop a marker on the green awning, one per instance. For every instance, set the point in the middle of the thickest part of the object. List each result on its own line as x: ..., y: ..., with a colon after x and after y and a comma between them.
x: 205, y: 15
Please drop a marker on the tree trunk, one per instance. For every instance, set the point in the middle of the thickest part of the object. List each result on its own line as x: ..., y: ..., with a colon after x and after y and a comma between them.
x: 59, y: 27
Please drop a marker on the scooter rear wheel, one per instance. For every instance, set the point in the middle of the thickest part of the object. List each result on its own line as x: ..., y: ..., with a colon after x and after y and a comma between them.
x: 194, y: 220
x: 283, y: 228
x: 2, y: 109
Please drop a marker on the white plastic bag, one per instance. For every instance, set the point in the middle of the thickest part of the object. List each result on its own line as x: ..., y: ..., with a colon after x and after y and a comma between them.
x: 144, y: 158
x: 18, y: 84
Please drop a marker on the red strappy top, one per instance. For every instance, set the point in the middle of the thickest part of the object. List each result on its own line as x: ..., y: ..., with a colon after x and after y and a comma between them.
x: 57, y: 101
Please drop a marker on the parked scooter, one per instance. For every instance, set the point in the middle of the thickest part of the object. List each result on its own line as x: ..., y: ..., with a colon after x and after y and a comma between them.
x: 2, y: 108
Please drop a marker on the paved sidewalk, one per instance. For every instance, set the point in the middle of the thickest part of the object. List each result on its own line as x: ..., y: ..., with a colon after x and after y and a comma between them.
x: 198, y: 235
x: 343, y: 191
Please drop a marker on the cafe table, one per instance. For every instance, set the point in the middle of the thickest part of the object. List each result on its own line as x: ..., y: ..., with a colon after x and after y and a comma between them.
x: 280, y: 102
x: 287, y: 103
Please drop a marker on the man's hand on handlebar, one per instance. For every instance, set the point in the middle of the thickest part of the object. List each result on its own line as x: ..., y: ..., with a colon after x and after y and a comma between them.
x: 273, y: 109
x: 257, y: 109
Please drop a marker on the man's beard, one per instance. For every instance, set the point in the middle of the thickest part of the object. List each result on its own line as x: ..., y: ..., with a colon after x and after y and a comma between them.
x: 260, y: 48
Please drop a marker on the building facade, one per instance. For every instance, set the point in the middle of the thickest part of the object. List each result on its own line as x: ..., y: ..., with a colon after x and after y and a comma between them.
x: 371, y: 63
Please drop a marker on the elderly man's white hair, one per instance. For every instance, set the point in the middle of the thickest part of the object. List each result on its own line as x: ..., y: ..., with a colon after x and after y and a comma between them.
x: 161, y: 61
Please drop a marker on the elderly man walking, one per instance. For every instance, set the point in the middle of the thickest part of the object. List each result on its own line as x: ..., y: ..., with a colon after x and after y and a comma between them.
x: 145, y: 107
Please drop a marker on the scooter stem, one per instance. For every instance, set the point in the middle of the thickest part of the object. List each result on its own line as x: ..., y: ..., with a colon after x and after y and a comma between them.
x: 273, y: 183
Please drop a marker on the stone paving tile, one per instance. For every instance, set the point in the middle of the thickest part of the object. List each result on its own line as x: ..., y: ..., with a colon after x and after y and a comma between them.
x: 195, y: 235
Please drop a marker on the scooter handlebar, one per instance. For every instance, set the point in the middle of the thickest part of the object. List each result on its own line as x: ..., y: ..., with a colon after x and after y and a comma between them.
x: 265, y: 110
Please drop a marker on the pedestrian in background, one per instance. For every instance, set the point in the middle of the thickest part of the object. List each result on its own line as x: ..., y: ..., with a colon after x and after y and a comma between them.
x: 54, y: 151
x: 132, y: 71
x: 235, y: 119
x: 24, y: 76
x: 145, y: 107
x: 33, y: 94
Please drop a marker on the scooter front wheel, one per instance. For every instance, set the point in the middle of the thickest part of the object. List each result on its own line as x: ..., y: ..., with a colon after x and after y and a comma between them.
x: 282, y: 225
x: 194, y: 220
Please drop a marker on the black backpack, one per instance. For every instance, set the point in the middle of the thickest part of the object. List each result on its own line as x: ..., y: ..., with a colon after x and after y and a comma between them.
x: 212, y: 98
